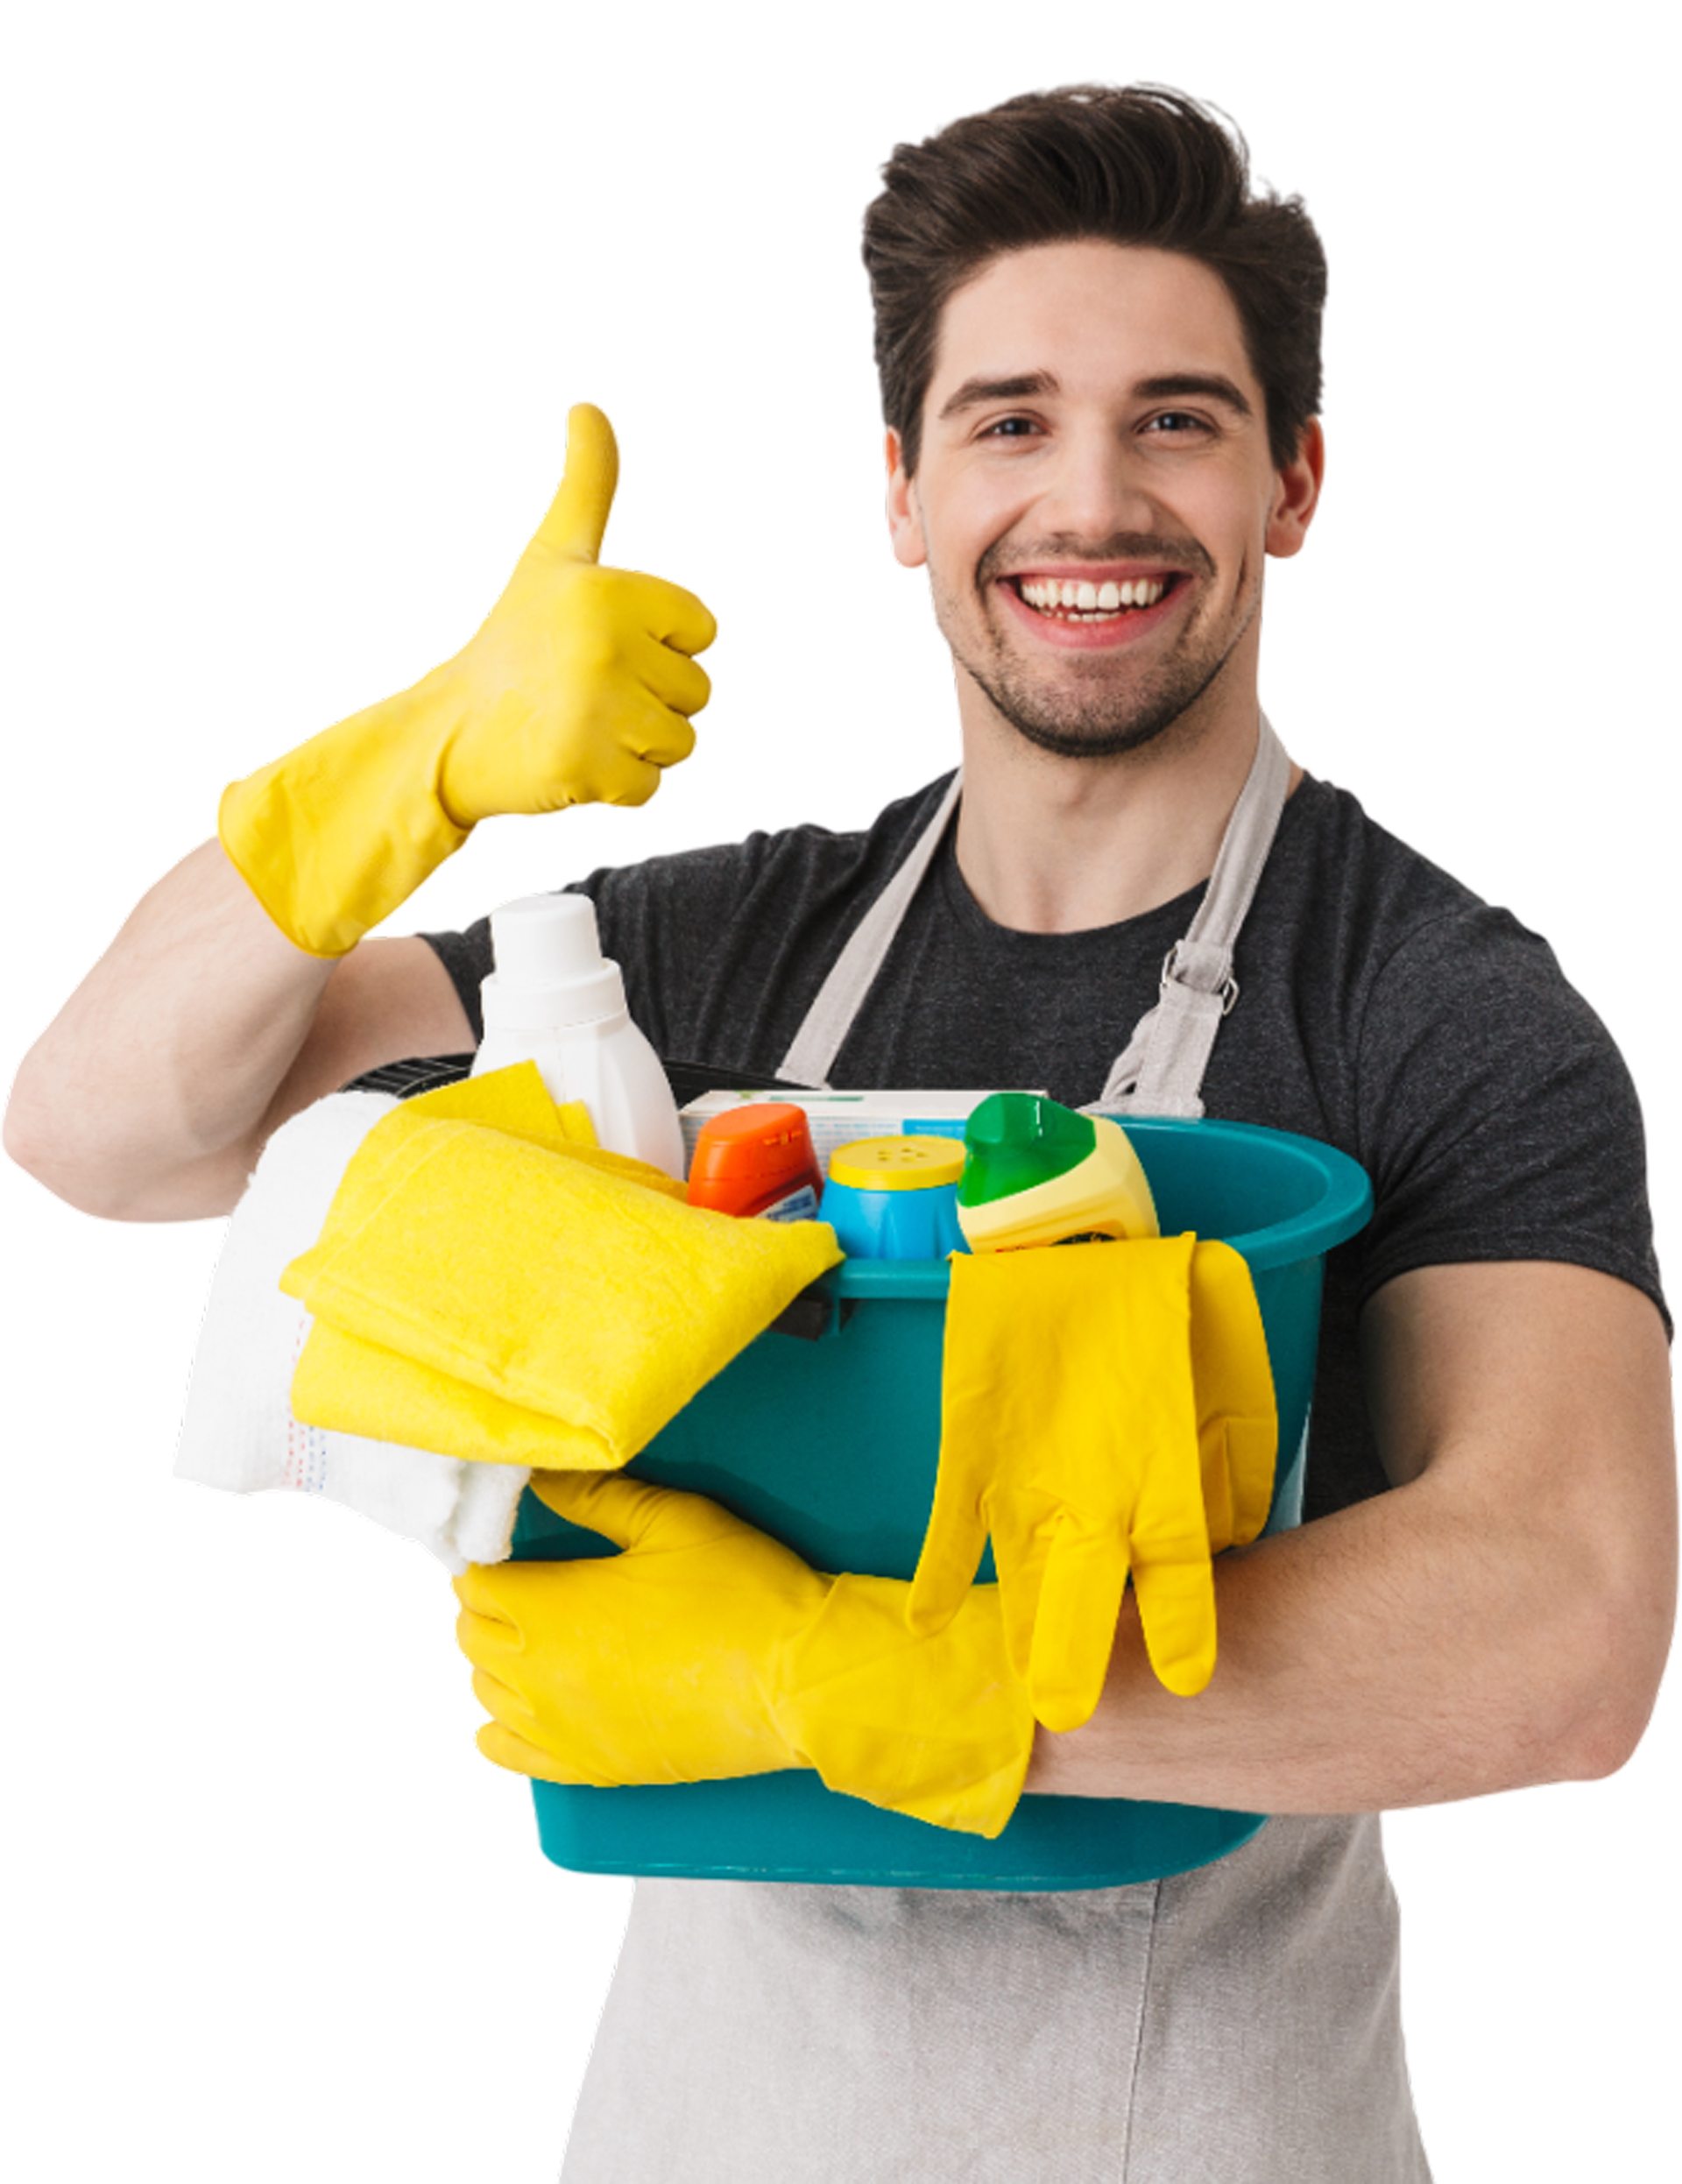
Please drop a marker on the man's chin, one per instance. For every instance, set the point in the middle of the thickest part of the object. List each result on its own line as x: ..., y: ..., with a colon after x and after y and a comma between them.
x: 1085, y: 738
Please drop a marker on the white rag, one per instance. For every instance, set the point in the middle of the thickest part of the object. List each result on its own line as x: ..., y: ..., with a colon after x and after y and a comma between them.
x: 239, y: 1432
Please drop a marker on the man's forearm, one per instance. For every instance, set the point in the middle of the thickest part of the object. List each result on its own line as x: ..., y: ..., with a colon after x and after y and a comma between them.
x: 161, y: 1064
x: 1367, y: 1661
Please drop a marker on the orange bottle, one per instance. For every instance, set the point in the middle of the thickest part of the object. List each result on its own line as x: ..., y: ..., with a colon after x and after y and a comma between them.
x: 758, y: 1160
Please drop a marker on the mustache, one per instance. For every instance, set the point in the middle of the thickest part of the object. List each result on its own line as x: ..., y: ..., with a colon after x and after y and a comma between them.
x: 1183, y: 554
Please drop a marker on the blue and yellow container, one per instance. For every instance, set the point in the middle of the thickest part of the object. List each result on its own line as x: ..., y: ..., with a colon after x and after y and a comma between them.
x: 895, y: 1197
x: 832, y: 1445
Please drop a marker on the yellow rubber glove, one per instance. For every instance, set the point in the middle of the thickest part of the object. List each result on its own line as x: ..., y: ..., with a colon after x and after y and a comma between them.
x: 707, y: 1649
x: 578, y: 690
x: 1107, y: 1410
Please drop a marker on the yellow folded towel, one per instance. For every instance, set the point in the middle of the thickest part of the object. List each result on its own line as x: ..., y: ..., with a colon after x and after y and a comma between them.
x: 485, y: 1286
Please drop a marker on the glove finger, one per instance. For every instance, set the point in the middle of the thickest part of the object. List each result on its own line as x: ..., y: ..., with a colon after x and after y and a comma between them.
x: 630, y: 1512
x: 969, y: 1457
x: 1233, y: 1379
x: 1023, y: 1537
x: 502, y: 1703
x: 577, y: 517
x: 1177, y: 1613
x: 669, y: 675
x: 674, y: 614
x: 1172, y: 1576
x: 951, y: 1546
x: 1174, y: 1583
x: 508, y: 1749
x: 489, y: 1643
x: 654, y: 733
x: 1074, y: 1629
x: 478, y: 1589
x: 1214, y: 1464
x: 505, y: 1597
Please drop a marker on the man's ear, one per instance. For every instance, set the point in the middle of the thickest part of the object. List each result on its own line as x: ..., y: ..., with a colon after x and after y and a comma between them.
x: 904, y: 517
x: 1296, y: 493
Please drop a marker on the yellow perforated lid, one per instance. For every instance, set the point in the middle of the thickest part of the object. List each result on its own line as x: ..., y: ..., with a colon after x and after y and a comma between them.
x: 898, y: 1163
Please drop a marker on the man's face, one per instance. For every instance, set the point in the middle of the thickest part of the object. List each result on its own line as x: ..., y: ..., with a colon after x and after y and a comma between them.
x: 1095, y: 494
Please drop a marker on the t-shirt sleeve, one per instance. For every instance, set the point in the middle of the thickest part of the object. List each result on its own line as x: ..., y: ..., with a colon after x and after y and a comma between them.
x: 1496, y: 1116
x: 467, y: 957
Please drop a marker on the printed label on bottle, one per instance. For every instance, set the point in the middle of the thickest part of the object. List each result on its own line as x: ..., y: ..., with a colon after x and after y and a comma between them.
x: 799, y: 1206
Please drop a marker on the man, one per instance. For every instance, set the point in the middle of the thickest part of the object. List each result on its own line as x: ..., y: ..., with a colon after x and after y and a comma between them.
x: 1100, y: 366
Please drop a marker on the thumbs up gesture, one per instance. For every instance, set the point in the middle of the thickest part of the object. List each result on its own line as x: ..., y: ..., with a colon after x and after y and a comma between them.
x: 580, y: 685
x: 578, y: 689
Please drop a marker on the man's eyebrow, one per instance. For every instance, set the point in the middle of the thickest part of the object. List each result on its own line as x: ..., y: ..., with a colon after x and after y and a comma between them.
x: 1210, y: 386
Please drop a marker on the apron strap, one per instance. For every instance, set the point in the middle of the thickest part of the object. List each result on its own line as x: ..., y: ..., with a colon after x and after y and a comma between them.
x: 841, y: 996
x: 1161, y: 1073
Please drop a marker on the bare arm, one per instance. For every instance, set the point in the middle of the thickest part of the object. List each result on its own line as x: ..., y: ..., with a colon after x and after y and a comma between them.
x: 223, y: 1008
x: 1500, y: 1619
x: 198, y: 1033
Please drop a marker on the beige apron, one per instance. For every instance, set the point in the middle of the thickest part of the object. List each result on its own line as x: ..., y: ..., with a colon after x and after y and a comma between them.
x: 1238, y: 2024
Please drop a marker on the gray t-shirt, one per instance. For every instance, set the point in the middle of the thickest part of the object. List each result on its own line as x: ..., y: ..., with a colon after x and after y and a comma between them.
x: 1383, y: 1009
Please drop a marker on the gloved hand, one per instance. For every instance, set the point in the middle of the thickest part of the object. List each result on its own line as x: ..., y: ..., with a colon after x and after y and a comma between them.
x: 1108, y: 1409
x: 708, y: 1650
x: 578, y: 690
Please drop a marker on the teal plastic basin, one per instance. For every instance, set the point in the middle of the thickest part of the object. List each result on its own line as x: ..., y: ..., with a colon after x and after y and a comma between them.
x: 832, y: 1444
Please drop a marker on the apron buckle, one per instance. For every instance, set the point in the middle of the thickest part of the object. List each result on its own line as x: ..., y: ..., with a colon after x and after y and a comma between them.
x: 1228, y: 988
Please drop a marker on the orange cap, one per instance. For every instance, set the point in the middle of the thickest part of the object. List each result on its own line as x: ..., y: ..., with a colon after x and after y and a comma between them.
x: 753, y: 1153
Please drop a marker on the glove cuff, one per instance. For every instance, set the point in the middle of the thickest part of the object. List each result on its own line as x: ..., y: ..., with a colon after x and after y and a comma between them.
x: 936, y: 1726
x: 333, y: 836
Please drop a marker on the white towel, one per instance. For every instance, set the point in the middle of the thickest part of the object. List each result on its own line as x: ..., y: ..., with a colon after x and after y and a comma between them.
x: 239, y: 1432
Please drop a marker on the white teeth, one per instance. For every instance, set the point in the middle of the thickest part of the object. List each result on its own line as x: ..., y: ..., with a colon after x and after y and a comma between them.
x: 1052, y: 595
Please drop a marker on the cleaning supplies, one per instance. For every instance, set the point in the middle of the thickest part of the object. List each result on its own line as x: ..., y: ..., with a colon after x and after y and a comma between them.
x: 1038, y: 1173
x: 707, y: 1649
x: 895, y: 1197
x: 757, y: 1161
x: 831, y: 1445
x: 839, y: 1118
x: 553, y: 999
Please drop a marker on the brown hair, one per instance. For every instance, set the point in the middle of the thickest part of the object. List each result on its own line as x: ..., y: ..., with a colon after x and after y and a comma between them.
x: 1143, y: 165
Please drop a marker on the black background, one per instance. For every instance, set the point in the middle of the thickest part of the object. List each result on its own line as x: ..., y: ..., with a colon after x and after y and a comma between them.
x: 289, y: 383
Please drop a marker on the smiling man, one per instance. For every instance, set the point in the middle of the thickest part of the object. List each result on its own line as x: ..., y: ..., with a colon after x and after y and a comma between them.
x: 1092, y: 485
x: 1099, y: 356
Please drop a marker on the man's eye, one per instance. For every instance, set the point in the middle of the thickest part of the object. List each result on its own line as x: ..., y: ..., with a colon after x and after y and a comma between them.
x: 1179, y: 424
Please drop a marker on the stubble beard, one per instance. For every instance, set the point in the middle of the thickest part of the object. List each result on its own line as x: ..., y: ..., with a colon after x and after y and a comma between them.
x: 1101, y: 721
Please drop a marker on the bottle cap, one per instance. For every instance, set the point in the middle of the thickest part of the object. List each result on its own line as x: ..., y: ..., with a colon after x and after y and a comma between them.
x: 1018, y: 1140
x: 751, y: 1148
x: 550, y: 969
x: 915, y: 1162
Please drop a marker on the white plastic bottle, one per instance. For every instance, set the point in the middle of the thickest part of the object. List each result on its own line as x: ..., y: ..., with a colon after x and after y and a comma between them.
x: 553, y: 999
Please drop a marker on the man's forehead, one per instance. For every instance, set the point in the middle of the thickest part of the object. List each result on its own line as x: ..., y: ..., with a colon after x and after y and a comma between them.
x: 1061, y: 316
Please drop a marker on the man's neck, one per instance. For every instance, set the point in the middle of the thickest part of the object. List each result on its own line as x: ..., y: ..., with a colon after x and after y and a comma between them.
x: 1049, y: 844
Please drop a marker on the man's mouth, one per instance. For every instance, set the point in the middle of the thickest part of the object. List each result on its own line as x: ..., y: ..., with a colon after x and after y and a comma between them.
x: 1074, y: 599
x: 1095, y: 612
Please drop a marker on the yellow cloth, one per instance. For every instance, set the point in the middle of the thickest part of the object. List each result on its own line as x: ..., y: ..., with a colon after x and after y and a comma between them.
x: 486, y: 1287
x: 1107, y: 1409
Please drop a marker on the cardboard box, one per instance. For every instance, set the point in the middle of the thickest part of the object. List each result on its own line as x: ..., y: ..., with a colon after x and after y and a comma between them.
x: 836, y: 1117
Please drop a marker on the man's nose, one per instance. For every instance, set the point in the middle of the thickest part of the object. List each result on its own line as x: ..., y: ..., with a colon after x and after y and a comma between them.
x: 1097, y: 487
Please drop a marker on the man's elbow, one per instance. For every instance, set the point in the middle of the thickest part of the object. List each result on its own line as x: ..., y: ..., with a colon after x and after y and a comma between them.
x: 1621, y: 1663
